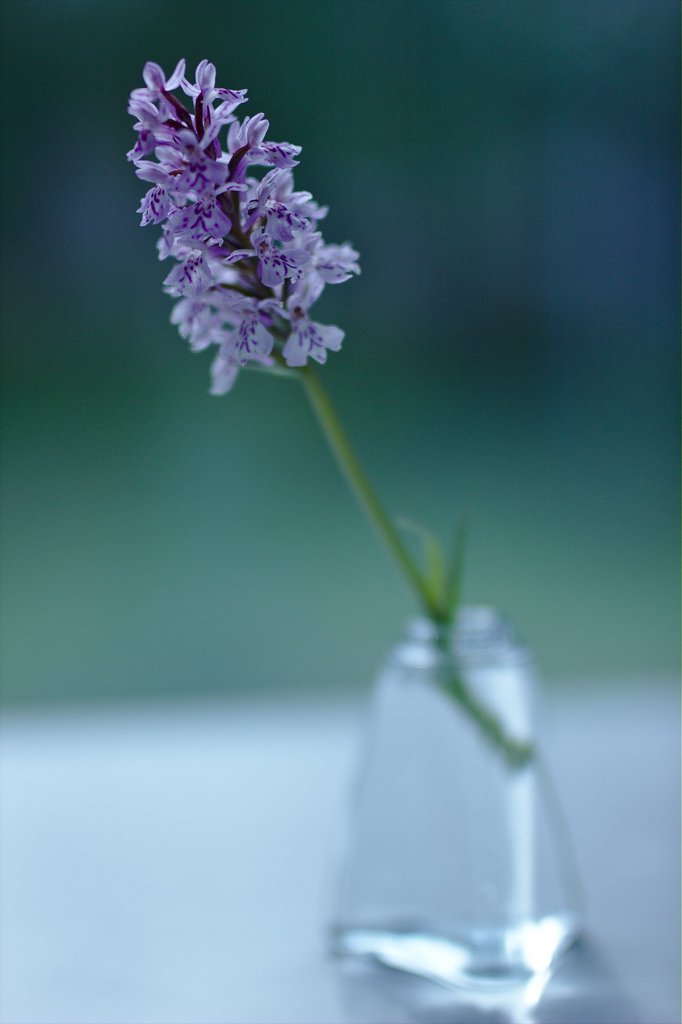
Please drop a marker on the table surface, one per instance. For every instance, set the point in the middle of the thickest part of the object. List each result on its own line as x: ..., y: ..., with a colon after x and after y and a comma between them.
x: 171, y: 863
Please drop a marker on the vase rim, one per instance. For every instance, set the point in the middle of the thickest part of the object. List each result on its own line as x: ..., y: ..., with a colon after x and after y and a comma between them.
x: 477, y: 617
x: 478, y: 630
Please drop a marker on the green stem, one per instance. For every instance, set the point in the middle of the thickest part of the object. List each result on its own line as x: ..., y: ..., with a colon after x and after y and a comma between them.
x: 515, y: 752
x: 359, y: 483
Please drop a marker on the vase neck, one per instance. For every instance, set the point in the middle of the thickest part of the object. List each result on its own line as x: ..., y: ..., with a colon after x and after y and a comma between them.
x: 482, y: 633
x: 479, y: 632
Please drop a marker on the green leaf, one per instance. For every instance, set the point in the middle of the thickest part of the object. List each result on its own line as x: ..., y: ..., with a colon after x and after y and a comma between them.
x: 433, y: 558
x: 453, y: 579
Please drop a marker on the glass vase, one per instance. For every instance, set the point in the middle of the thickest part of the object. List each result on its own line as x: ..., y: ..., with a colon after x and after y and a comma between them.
x: 457, y: 864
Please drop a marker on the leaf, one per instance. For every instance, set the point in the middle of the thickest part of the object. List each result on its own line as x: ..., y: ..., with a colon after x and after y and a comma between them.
x: 433, y: 558
x: 453, y: 579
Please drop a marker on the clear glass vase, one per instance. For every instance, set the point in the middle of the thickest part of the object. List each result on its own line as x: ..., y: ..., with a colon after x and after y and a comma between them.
x: 456, y: 864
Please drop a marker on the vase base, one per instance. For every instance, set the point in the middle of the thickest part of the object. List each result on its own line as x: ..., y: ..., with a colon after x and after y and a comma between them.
x: 490, y: 959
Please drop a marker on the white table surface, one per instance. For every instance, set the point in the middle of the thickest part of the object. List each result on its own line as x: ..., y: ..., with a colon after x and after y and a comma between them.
x: 170, y: 864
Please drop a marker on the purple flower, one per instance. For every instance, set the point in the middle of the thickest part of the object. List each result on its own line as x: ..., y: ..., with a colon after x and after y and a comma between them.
x: 308, y: 339
x: 198, y: 171
x: 200, y: 219
x: 149, y: 126
x: 205, y: 89
x: 149, y: 171
x: 253, y: 340
x: 224, y: 372
x: 250, y: 133
x: 198, y: 322
x: 276, y: 265
x: 279, y: 154
x: 281, y: 221
x: 156, y: 82
x: 190, y: 278
x: 155, y: 206
x: 336, y: 263
x: 249, y: 259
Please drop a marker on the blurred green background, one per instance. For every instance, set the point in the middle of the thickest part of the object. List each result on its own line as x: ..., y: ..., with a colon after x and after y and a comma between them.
x: 508, y: 171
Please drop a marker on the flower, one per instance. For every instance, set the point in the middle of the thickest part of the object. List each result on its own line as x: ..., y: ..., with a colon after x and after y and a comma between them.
x: 192, y: 277
x: 250, y: 259
x: 308, y: 339
x: 250, y: 262
x: 200, y: 220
